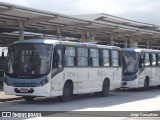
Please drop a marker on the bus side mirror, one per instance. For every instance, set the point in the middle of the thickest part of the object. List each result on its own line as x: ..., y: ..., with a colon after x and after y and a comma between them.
x: 141, y: 63
x: 142, y: 60
x: 2, y: 55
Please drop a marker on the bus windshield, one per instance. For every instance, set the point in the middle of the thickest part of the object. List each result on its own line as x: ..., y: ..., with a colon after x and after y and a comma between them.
x: 28, y: 60
x: 129, y: 62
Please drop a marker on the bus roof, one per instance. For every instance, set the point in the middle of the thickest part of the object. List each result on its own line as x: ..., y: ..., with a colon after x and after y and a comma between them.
x: 55, y: 41
x: 46, y: 41
x: 140, y: 50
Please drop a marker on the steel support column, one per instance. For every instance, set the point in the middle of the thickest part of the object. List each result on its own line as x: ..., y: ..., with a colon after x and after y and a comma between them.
x: 21, y: 30
x: 125, y: 44
x: 93, y: 38
x: 147, y: 44
x: 82, y: 37
x: 88, y: 36
x: 133, y: 43
x: 111, y: 40
x: 58, y: 33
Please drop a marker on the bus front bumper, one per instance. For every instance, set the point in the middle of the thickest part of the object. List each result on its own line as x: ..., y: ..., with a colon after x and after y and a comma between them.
x: 129, y: 84
x: 27, y: 91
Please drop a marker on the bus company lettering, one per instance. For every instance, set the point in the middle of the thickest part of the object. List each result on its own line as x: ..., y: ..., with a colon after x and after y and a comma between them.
x: 71, y: 74
x: 101, y: 72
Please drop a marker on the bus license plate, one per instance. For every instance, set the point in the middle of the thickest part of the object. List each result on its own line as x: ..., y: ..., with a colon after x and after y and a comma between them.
x: 24, y: 90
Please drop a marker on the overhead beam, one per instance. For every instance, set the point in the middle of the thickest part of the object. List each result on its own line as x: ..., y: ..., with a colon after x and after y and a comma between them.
x: 51, y: 24
x: 12, y: 17
x: 72, y: 19
x: 37, y: 20
x: 6, y: 9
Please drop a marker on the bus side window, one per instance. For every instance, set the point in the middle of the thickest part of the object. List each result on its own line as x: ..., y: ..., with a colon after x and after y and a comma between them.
x: 82, y: 56
x: 153, y: 59
x: 115, y: 58
x: 147, y: 59
x: 105, y: 57
x: 94, y: 54
x: 70, y: 56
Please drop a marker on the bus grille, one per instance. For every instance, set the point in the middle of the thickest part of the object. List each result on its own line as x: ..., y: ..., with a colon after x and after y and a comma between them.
x: 24, y: 84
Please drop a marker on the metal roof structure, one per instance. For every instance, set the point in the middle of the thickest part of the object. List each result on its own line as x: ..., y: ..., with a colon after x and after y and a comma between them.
x: 101, y: 26
x: 126, y: 28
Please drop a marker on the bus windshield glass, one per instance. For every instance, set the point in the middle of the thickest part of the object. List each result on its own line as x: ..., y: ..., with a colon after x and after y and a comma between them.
x: 129, y: 62
x: 28, y: 60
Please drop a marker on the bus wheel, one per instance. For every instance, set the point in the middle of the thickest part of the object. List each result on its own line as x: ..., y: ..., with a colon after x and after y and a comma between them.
x: 28, y: 98
x: 105, y: 88
x: 67, y: 92
x: 146, y: 84
x: 158, y: 86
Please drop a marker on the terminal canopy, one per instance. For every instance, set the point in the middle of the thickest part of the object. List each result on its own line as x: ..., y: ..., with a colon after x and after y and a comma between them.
x: 37, y: 24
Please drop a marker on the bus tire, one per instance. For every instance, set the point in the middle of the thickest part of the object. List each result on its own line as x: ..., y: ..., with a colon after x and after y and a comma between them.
x: 67, y: 92
x: 28, y: 98
x: 146, y: 84
x: 158, y: 86
x: 105, y: 89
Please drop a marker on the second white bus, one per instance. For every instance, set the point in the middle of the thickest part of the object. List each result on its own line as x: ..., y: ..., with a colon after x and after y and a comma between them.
x: 43, y: 67
x: 140, y: 68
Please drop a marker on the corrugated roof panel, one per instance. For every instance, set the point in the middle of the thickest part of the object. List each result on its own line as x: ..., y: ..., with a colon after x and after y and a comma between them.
x: 20, y: 13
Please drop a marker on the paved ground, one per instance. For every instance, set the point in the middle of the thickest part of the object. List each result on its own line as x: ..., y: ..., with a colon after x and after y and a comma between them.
x: 125, y: 100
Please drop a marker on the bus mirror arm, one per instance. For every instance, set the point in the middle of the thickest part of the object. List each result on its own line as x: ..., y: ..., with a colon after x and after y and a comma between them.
x: 2, y: 55
x: 141, y: 64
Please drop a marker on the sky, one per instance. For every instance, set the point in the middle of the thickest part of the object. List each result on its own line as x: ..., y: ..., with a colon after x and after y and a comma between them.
x: 139, y: 10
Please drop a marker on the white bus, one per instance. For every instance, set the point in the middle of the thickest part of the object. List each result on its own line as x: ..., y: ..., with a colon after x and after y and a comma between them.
x: 140, y: 68
x: 43, y: 67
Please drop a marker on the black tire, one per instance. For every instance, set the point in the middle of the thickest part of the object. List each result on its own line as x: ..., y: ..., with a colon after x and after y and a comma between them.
x: 98, y: 94
x: 67, y: 92
x: 28, y: 98
x: 158, y: 86
x: 146, y: 84
x: 105, y: 89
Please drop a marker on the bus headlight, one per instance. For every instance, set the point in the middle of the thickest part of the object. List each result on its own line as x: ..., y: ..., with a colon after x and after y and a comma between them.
x: 7, y: 82
x: 45, y: 81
